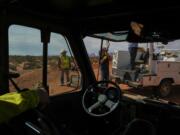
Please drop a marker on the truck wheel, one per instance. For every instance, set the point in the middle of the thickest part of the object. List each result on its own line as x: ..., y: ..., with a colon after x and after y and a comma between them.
x: 127, y: 77
x: 118, y: 80
x: 165, y: 88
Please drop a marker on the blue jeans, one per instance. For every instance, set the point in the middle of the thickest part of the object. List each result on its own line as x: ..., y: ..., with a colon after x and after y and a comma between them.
x: 133, y: 53
x: 64, y: 71
x: 104, y: 72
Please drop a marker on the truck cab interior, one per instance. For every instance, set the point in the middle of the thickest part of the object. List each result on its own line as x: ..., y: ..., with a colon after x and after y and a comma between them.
x: 93, y: 107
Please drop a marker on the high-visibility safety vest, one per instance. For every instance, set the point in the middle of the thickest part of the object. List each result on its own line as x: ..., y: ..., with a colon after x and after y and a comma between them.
x: 105, y: 57
x: 65, y: 62
x: 14, y: 103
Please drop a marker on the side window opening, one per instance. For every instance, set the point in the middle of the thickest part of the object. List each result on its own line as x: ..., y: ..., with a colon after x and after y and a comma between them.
x: 63, y: 72
x: 26, y: 59
x: 25, y: 56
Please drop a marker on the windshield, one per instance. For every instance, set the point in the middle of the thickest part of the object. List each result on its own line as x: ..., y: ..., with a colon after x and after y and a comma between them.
x: 147, y: 69
x: 26, y: 59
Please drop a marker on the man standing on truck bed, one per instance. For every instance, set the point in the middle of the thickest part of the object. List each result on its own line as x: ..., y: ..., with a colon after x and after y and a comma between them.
x: 133, y: 47
x: 135, y: 33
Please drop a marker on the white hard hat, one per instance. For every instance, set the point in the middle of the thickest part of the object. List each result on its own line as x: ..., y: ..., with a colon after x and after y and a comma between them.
x: 63, y: 51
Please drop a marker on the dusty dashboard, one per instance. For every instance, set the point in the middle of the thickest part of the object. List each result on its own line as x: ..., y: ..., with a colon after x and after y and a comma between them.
x: 162, y: 114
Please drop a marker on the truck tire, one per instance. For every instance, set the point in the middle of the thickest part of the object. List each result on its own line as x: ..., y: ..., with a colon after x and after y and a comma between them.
x: 165, y: 88
x: 127, y: 77
x: 118, y: 80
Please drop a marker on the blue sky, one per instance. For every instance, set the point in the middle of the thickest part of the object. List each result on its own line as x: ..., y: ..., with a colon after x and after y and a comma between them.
x: 26, y: 41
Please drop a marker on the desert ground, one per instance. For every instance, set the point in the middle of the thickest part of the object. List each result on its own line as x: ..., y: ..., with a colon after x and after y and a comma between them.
x: 31, y: 78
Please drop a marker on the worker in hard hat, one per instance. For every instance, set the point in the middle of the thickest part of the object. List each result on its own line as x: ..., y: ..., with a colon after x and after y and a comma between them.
x: 64, y: 65
x: 104, y: 64
x: 135, y: 34
x: 14, y: 103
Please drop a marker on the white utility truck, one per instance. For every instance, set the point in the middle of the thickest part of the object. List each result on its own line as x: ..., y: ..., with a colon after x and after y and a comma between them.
x: 161, y: 71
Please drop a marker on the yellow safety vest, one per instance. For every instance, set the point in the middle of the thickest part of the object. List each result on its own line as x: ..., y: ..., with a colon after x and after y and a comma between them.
x: 13, y: 104
x: 105, y: 58
x: 65, y: 62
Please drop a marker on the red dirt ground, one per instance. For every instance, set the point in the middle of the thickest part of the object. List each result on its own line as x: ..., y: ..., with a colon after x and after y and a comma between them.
x: 29, y: 78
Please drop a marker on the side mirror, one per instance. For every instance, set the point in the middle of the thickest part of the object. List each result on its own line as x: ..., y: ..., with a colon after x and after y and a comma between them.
x: 13, y: 74
x: 75, y: 81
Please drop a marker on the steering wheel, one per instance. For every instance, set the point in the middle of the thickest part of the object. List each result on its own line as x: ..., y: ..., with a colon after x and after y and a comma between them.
x: 101, y: 98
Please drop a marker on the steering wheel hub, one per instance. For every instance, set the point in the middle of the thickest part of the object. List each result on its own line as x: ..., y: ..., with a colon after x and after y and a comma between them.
x: 101, y: 98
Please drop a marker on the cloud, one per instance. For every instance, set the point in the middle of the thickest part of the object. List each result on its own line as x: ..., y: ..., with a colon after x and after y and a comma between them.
x: 57, y: 43
x: 93, y: 45
x: 173, y: 45
x: 24, y: 41
x: 27, y: 41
